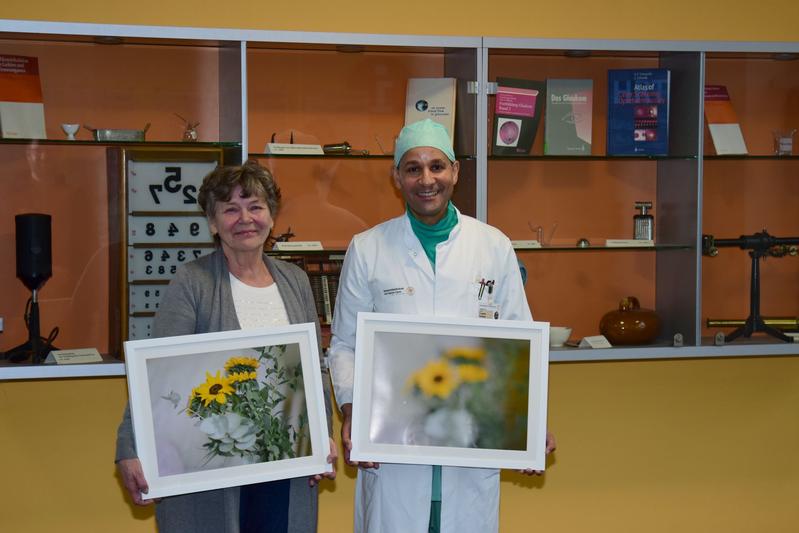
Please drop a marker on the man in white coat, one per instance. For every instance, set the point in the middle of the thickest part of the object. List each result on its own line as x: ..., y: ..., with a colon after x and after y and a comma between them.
x: 431, y: 261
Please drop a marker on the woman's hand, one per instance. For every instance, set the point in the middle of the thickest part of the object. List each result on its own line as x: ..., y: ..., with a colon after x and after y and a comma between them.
x: 133, y: 479
x: 331, y: 458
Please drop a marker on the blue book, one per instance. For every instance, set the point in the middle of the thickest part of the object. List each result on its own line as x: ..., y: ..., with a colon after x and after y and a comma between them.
x: 638, y: 111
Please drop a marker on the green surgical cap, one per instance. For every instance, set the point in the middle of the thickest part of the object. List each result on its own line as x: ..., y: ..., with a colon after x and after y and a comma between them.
x: 423, y: 133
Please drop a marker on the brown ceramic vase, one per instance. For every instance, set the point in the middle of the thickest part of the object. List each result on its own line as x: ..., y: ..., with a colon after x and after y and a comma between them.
x: 630, y: 324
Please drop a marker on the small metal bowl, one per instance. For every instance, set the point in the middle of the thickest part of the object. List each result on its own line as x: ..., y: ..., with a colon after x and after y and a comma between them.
x: 118, y: 135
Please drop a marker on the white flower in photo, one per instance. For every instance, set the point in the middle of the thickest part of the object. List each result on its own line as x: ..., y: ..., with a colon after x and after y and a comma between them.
x: 451, y: 427
x: 232, y: 430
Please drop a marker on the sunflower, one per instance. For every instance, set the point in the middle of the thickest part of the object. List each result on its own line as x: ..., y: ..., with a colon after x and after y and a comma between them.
x: 240, y: 364
x: 215, y: 388
x: 466, y: 353
x: 436, y: 378
x: 237, y: 377
x: 472, y: 373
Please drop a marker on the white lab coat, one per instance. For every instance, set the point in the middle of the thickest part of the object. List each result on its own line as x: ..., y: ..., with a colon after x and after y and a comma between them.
x: 387, y: 271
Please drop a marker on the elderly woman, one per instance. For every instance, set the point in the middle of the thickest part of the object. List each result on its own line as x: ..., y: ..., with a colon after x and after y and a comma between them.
x: 235, y: 287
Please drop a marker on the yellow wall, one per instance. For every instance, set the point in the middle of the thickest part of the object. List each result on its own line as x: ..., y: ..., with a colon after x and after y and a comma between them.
x: 771, y: 20
x: 658, y: 446
x: 696, y: 445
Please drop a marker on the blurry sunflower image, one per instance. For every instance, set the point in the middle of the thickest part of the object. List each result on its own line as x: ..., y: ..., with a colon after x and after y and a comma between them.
x: 457, y: 394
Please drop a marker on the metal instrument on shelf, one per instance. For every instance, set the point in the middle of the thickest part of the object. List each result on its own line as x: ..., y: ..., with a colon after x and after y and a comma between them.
x: 342, y: 148
x: 760, y: 245
x: 785, y: 323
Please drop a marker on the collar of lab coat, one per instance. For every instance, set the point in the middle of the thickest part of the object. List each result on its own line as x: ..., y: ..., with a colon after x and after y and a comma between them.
x: 414, y: 246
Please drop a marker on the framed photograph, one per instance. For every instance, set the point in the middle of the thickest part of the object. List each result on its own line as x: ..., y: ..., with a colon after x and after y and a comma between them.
x: 223, y: 409
x: 450, y: 391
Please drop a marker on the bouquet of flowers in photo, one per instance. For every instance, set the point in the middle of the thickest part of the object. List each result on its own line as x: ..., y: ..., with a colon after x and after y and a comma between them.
x: 244, y: 416
x: 475, y: 396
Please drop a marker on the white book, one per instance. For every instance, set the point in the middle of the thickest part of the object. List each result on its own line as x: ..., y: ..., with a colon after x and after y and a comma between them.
x: 22, y: 120
x: 432, y: 98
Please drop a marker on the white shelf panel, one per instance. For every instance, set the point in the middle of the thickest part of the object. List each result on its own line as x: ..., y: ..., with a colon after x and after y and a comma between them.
x: 10, y: 371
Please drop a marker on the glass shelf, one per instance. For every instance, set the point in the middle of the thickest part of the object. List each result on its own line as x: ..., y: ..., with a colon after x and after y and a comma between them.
x: 327, y: 251
x: 340, y: 156
x: 747, y: 157
x: 572, y: 248
x: 592, y: 158
x: 79, y: 142
x: 109, y: 367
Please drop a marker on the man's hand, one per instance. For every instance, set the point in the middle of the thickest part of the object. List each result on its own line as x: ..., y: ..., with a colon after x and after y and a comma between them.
x: 346, y: 438
x: 133, y: 479
x: 331, y: 459
x: 550, y: 447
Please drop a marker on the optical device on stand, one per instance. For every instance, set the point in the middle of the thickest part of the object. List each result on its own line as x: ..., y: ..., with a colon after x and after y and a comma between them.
x: 760, y: 246
x: 34, y: 268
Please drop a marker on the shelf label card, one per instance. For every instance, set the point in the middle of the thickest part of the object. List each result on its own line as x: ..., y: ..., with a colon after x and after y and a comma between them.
x: 595, y: 341
x: 297, y: 246
x: 166, y: 186
x: 72, y: 357
x: 293, y: 149
x: 525, y: 245
x: 629, y: 243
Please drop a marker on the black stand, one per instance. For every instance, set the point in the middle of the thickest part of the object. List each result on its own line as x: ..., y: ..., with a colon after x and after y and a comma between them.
x: 754, y: 321
x: 759, y: 245
x: 35, y: 348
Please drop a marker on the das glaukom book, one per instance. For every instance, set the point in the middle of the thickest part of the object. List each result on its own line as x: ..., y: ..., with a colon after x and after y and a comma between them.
x: 568, y: 117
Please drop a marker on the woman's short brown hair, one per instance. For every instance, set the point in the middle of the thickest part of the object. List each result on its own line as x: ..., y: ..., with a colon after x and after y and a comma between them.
x: 253, y: 179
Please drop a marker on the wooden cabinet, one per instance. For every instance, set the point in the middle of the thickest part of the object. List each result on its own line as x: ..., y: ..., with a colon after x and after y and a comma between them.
x: 248, y: 88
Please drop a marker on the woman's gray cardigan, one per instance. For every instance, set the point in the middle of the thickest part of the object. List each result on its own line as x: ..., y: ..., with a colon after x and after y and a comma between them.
x: 199, y: 300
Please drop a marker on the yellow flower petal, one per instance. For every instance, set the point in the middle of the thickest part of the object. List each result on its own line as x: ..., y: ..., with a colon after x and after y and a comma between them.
x: 436, y: 378
x: 472, y: 353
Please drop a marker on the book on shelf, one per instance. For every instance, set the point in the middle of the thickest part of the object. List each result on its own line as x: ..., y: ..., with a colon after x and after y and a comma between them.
x: 722, y: 121
x: 568, y: 116
x: 517, y: 112
x: 327, y: 302
x: 432, y: 98
x: 21, y: 103
x: 638, y: 111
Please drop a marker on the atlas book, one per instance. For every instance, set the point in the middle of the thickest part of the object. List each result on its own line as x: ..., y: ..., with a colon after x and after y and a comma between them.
x: 432, y: 98
x: 21, y: 103
x: 518, y: 110
x: 568, y: 117
x: 722, y: 121
x: 638, y: 111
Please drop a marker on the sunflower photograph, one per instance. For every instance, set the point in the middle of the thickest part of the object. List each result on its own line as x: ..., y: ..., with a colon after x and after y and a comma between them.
x: 228, y: 408
x: 450, y: 391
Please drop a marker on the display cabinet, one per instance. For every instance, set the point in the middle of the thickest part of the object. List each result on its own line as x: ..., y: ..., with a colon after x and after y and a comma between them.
x: 103, y: 81
x: 247, y: 88
x: 569, y: 198
x: 297, y: 92
x: 755, y: 192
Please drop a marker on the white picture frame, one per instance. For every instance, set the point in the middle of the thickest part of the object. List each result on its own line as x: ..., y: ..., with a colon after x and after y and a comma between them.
x: 400, y: 414
x: 182, y: 448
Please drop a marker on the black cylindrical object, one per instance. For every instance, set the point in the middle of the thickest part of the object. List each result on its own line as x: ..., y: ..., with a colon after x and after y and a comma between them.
x: 34, y: 249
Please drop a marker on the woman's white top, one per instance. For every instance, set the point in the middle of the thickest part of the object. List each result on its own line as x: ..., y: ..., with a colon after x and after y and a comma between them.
x: 258, y: 307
